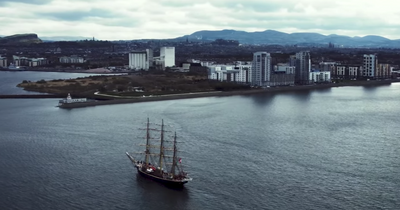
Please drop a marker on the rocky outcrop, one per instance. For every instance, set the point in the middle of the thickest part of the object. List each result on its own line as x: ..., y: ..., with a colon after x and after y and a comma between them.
x: 20, y: 39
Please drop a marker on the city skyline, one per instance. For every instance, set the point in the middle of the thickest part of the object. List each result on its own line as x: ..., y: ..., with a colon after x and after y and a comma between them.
x: 123, y: 20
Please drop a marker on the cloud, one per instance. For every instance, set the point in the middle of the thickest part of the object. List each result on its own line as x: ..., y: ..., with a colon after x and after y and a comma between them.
x: 121, y: 19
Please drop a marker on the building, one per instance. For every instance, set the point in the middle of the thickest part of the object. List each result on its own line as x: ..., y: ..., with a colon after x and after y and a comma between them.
x: 318, y: 76
x: 167, y: 56
x: 292, y: 60
x: 71, y: 59
x: 32, y: 62
x: 346, y: 72
x: 141, y: 60
x: 284, y: 68
x: 303, y: 67
x: 329, y: 66
x: 261, y: 69
x: 20, y: 61
x: 370, y: 65
x: 383, y: 71
x: 239, y: 72
x: 3, y: 62
x: 37, y: 62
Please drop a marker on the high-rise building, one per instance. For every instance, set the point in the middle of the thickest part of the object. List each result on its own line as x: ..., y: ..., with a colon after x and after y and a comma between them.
x: 261, y: 70
x: 167, y: 56
x: 303, y: 68
x: 370, y: 65
x: 141, y: 60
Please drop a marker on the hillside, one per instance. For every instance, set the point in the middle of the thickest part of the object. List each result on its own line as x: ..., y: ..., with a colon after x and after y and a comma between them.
x: 20, y: 39
x: 271, y: 37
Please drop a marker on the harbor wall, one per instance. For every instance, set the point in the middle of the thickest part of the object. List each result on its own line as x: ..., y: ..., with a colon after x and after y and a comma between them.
x: 205, y: 94
x: 228, y: 93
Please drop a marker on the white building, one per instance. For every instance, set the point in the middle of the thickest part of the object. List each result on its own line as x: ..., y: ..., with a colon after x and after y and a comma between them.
x: 141, y: 60
x: 261, y: 69
x: 370, y: 64
x: 235, y: 73
x: 320, y: 76
x: 71, y: 59
x: 167, y: 55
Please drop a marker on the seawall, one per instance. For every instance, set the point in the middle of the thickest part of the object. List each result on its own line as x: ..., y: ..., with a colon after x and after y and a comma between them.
x: 205, y: 94
x: 228, y: 93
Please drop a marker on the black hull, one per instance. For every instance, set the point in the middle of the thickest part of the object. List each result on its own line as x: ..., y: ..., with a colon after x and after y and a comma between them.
x: 170, y: 183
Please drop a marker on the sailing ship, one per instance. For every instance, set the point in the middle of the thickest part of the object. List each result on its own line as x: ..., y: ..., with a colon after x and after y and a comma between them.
x: 161, y: 162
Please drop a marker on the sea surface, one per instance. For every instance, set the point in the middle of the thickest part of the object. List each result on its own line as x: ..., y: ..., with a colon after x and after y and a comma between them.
x: 337, y: 148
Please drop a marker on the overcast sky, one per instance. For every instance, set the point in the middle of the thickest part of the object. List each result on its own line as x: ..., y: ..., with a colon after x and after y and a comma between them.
x: 137, y: 19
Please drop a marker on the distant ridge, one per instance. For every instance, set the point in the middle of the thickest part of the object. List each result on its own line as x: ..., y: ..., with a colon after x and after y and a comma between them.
x: 29, y: 38
x: 276, y: 37
x: 64, y: 38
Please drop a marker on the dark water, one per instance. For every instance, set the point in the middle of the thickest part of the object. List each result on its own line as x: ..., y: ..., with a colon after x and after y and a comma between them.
x: 329, y: 149
x: 9, y: 79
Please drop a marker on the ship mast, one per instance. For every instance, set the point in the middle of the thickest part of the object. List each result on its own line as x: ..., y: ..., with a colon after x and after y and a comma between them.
x: 174, y: 156
x: 147, y: 142
x: 161, y: 145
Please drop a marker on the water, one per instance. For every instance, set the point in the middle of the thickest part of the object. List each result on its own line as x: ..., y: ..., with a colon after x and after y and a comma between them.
x: 326, y: 149
x: 10, y: 79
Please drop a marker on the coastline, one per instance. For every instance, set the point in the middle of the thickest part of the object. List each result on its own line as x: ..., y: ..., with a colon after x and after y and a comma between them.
x: 205, y: 94
x: 229, y: 93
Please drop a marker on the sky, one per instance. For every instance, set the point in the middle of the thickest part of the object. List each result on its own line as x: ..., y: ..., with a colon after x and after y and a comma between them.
x: 160, y: 19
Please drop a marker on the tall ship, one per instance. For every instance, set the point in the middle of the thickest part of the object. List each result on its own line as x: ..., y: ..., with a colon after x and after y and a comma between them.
x: 159, y: 161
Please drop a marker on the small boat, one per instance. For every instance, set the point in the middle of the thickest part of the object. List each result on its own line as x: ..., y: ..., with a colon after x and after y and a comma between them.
x: 161, y: 162
x: 15, y: 68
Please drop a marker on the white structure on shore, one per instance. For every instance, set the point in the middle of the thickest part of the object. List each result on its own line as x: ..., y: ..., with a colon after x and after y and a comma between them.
x: 167, y: 56
x: 141, y: 60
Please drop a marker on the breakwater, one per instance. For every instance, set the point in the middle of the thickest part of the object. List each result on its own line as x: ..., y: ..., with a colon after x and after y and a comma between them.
x: 203, y: 94
x: 229, y: 93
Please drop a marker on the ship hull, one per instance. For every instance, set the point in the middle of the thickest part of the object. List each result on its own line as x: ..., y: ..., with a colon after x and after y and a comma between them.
x: 170, y: 183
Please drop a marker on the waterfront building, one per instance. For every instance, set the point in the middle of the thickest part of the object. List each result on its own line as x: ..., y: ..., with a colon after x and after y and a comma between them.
x: 370, y: 65
x: 37, y: 62
x: 3, y: 62
x: 346, y: 72
x: 329, y: 66
x: 284, y: 68
x: 261, y: 69
x: 32, y: 62
x: 383, y: 71
x: 71, y: 59
x: 318, y: 76
x: 239, y: 72
x: 141, y: 60
x: 167, y: 56
x: 303, y: 68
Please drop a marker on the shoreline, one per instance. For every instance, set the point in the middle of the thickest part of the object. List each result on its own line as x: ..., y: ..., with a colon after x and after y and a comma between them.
x: 205, y: 94
x: 65, y: 71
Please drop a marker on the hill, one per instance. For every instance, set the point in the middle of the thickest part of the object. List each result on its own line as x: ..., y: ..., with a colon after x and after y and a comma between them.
x: 272, y: 37
x: 20, y: 39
